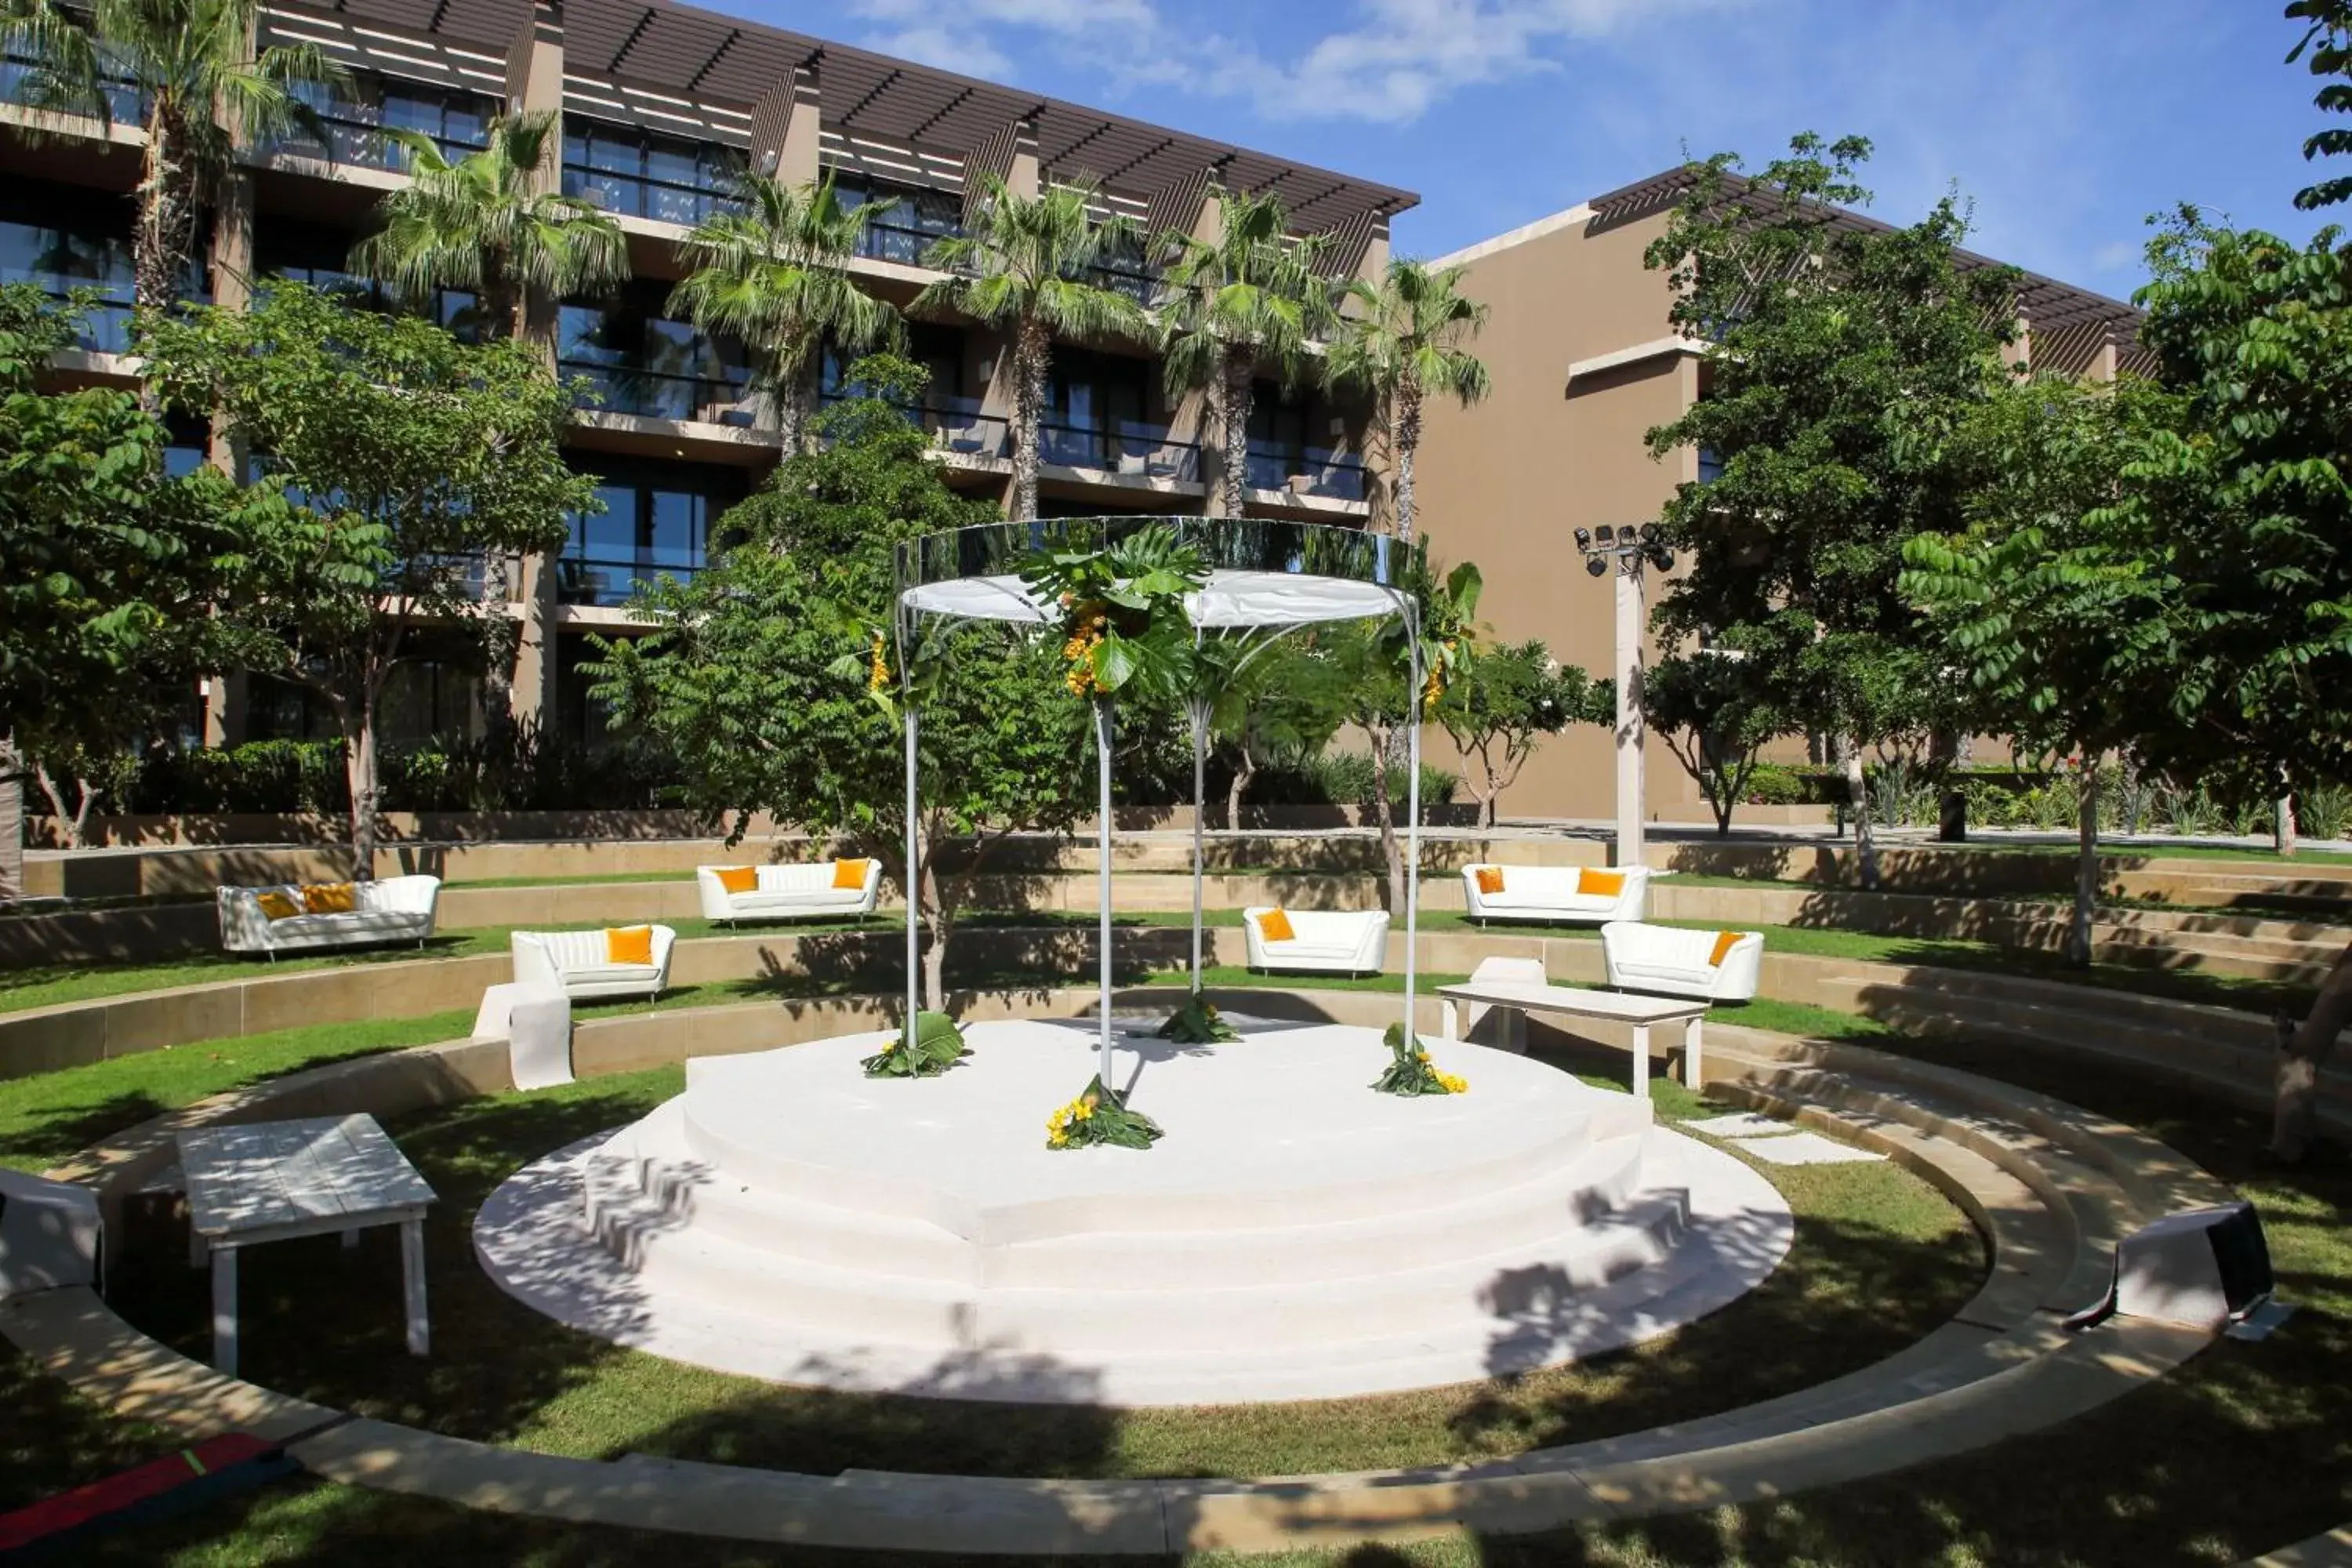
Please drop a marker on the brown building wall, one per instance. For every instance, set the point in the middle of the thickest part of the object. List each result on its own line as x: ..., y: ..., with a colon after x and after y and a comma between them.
x: 1507, y: 482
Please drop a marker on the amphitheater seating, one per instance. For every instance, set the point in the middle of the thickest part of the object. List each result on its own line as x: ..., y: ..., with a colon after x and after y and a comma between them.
x: 799, y: 892
x: 1556, y: 895
x: 1720, y: 966
x: 292, y: 918
x: 580, y: 963
x: 1324, y: 942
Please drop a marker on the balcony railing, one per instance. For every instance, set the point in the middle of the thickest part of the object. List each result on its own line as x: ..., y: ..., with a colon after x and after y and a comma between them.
x: 356, y: 136
x: 123, y: 104
x: 1137, y: 284
x: 1306, y: 471
x: 610, y: 583
x: 903, y: 243
x: 647, y: 195
x: 1131, y: 447
x: 660, y: 394
x: 106, y: 328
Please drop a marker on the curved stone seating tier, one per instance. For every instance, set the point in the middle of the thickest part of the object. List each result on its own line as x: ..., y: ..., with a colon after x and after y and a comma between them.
x: 2052, y: 1187
x: 773, y: 1221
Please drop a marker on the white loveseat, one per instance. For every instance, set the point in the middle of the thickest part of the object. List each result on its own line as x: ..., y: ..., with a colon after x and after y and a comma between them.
x: 1677, y: 963
x: 789, y: 893
x: 393, y: 908
x: 1335, y: 941
x: 579, y: 963
x: 1552, y: 894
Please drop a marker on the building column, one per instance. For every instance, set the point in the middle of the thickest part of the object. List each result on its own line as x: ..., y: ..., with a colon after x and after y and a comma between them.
x: 535, y: 85
x: 786, y: 129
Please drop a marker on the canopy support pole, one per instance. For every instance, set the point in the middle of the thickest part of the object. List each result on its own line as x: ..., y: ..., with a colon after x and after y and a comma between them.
x: 914, y: 887
x: 1197, y: 709
x: 1412, y: 819
x: 1102, y: 871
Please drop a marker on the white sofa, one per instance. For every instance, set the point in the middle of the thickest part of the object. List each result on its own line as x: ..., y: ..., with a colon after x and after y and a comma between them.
x: 1678, y: 962
x: 390, y: 909
x: 1334, y: 942
x: 1548, y: 893
x: 789, y: 893
x: 578, y: 964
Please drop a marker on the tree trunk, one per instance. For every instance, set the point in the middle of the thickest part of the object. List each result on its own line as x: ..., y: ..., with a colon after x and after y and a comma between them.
x: 501, y: 639
x: 1242, y: 776
x: 1233, y: 430
x: 791, y: 395
x: 1032, y: 353
x: 11, y: 821
x: 2282, y: 830
x: 1866, y: 835
x: 1408, y: 442
x: 360, y: 772
x: 72, y: 825
x: 1385, y: 818
x: 167, y: 233
x: 2303, y: 1051
x: 936, y: 926
x: 2087, y: 865
x: 1722, y: 799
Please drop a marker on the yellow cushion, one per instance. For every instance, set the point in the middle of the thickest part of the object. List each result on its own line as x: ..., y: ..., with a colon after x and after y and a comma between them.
x: 740, y: 878
x: 1725, y: 941
x: 329, y: 898
x: 629, y: 944
x: 1600, y: 884
x: 849, y: 873
x: 1490, y: 878
x: 277, y: 906
x: 1275, y: 926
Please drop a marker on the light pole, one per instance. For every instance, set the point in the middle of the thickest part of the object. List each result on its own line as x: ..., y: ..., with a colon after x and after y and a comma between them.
x: 1631, y: 550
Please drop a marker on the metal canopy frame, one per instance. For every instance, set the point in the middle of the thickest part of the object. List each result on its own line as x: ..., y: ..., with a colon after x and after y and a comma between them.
x: 1252, y: 548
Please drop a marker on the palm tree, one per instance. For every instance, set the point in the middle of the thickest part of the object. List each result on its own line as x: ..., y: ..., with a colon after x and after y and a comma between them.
x: 199, y: 87
x: 1029, y: 269
x: 491, y: 223
x: 1252, y: 300
x: 772, y: 275
x: 1405, y: 340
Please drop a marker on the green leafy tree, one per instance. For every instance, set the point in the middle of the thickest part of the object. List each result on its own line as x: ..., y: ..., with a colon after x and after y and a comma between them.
x: 494, y: 222
x: 2051, y: 605
x: 1244, y: 304
x: 108, y: 568
x: 774, y: 676
x: 2326, y: 49
x: 415, y: 458
x: 1510, y: 698
x: 1266, y: 702
x: 1029, y: 269
x: 191, y: 66
x: 1845, y: 362
x: 1714, y: 710
x: 1405, y: 342
x: 773, y: 275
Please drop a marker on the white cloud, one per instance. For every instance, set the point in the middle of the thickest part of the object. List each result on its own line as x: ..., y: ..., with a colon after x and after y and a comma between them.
x: 969, y: 52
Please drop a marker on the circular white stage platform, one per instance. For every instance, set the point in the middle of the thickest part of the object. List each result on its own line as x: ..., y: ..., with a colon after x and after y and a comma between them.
x: 1294, y: 1235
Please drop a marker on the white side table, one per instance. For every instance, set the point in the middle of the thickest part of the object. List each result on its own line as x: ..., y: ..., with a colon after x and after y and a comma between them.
x: 535, y: 1021
x: 273, y: 1181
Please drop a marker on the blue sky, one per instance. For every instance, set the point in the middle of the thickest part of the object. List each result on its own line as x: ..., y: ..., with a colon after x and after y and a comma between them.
x: 2067, y: 121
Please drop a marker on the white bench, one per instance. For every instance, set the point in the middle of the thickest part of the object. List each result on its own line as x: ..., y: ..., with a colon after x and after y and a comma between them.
x: 579, y: 963
x: 1569, y: 1002
x: 1678, y: 962
x: 1557, y: 895
x: 390, y: 909
x: 1323, y: 942
x: 273, y: 1181
x: 798, y: 892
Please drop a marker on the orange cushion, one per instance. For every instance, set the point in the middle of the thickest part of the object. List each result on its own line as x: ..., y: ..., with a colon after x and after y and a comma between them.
x: 1275, y: 926
x: 277, y: 906
x: 849, y: 873
x: 329, y: 898
x: 629, y: 944
x: 1490, y: 878
x: 738, y: 879
x: 1600, y: 884
x: 1725, y: 941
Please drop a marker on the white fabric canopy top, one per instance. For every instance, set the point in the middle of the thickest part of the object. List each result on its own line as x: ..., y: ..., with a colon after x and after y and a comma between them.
x: 1231, y: 599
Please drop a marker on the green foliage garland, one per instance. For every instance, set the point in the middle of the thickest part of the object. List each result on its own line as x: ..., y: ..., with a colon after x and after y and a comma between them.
x: 1099, y: 1116
x: 1198, y: 1023
x: 1410, y: 1070
x: 937, y: 1045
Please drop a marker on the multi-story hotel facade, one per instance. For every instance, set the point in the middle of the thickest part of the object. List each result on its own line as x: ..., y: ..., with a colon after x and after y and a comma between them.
x: 659, y: 104
x: 1585, y: 361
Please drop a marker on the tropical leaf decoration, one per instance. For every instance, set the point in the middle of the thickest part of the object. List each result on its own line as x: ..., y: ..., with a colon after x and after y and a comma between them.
x: 1123, y: 623
x: 1410, y: 1072
x: 937, y: 1045
x: 1198, y: 1023
x: 1099, y: 1116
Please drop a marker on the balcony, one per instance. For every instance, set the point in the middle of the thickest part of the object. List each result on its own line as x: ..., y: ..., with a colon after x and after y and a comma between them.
x: 1131, y: 448
x: 1306, y: 471
x: 609, y: 584
x: 621, y: 388
x: 1136, y: 281
x: 123, y: 104
x: 635, y: 174
x: 106, y: 329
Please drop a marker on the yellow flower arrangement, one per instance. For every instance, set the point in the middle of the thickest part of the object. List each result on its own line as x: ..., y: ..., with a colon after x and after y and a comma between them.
x: 881, y: 666
x: 1099, y: 1116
